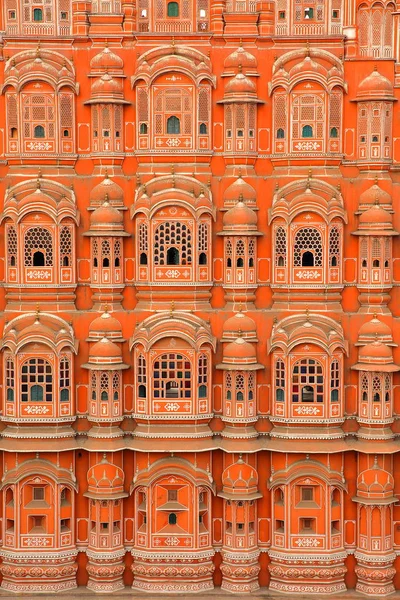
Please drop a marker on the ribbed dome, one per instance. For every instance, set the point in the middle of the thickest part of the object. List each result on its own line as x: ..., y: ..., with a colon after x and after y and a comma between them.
x: 107, y: 190
x: 240, y: 325
x: 104, y: 352
x: 106, y: 87
x: 105, y: 326
x: 375, y: 483
x: 240, y: 189
x: 374, y: 329
x: 106, y: 217
x: 375, y: 194
x: 375, y: 86
x: 240, y: 85
x: 106, y: 60
x: 240, y: 58
x: 375, y: 351
x: 376, y: 215
x: 105, y: 478
x: 239, y: 351
x: 240, y: 216
x: 240, y: 477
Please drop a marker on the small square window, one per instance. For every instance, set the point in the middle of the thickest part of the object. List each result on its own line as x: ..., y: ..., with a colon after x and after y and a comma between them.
x: 309, y: 13
x: 172, y: 495
x: 307, y: 525
x: 143, y: 13
x: 282, y: 14
x: 38, y: 493
x: 202, y: 13
x: 307, y: 494
x: 335, y: 14
x: 12, y: 15
x: 64, y: 16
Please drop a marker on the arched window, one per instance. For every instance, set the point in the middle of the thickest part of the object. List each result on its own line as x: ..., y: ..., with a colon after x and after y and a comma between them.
x: 38, y: 248
x: 202, y: 375
x: 307, y: 131
x: 172, y: 256
x: 104, y: 386
x: 176, y: 237
x: 334, y: 247
x: 172, y: 377
x: 105, y: 253
x: 143, y: 258
x: 173, y: 125
x: 307, y: 381
x: 37, y: 14
x: 203, y: 129
x: 143, y: 128
x: 39, y: 132
x: 173, y: 9
x: 280, y: 383
x: 308, y: 248
x: 36, y: 381
x: 376, y: 389
x: 334, y: 132
x: 172, y: 519
x: 280, y: 134
x: 142, y: 391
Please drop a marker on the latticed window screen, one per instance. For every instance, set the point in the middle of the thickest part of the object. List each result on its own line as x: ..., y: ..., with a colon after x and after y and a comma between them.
x: 10, y: 378
x: 38, y: 239
x: 38, y: 111
x: 173, y: 235
x: 105, y: 253
x: 204, y: 109
x: 12, y: 247
x: 375, y: 27
x: 308, y: 111
x: 36, y: 380
x: 141, y: 370
x: 66, y: 115
x: 203, y: 239
x: 12, y: 112
x: 335, y: 381
x: 46, y: 6
x: 172, y: 377
x: 65, y: 247
x: 173, y: 102
x: 143, y: 105
x: 203, y: 375
x: 228, y: 385
x: 308, y: 239
x: 307, y: 381
x: 65, y: 379
x: 334, y: 247
x: 280, y: 381
x: 143, y: 238
x: 280, y: 247
x: 117, y: 252
x: 116, y: 382
x: 335, y: 111
x: 280, y: 115
x: 228, y: 251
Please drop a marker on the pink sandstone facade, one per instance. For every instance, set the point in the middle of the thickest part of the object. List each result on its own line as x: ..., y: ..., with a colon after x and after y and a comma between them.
x: 200, y: 302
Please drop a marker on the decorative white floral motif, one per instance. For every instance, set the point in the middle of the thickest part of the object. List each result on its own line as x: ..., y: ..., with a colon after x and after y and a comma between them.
x: 173, y: 273
x: 174, y: 142
x: 39, y: 275
x: 172, y: 541
x: 308, y: 275
x: 306, y: 410
x: 172, y: 406
x: 35, y: 146
x: 307, y: 543
x: 307, y: 146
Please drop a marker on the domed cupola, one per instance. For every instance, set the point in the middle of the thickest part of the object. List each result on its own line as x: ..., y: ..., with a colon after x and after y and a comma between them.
x: 105, y: 326
x: 240, y: 481
x: 239, y: 326
x: 106, y: 191
x: 106, y: 480
x: 375, y: 87
x: 240, y: 190
x: 376, y: 484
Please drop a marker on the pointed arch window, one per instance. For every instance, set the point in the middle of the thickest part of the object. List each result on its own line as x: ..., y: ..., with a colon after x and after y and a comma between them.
x: 173, y: 125
x: 307, y: 131
x: 173, y: 9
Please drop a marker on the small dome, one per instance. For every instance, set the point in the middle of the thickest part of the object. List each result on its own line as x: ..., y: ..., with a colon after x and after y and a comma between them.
x: 240, y: 478
x: 375, y: 352
x: 106, y: 60
x: 376, y: 215
x: 375, y: 483
x: 240, y: 325
x: 239, y: 352
x: 105, y: 352
x: 107, y: 190
x: 240, y: 217
x: 106, y: 218
x: 374, y: 329
x: 308, y: 65
x: 240, y: 58
x: 375, y: 86
x: 105, y: 479
x: 240, y: 85
x: 240, y: 189
x: 375, y: 194
x: 105, y: 326
x: 106, y: 87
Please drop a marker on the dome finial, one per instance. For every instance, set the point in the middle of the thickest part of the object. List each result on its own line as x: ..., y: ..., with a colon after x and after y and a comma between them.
x: 37, y: 314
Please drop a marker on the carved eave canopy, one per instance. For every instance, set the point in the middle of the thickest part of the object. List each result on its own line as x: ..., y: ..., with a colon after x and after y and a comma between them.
x: 176, y: 190
x: 39, y: 64
x: 302, y: 469
x: 165, y: 59
x: 171, y: 466
x: 39, y: 467
x: 310, y: 328
x: 40, y: 195
x: 39, y: 328
x: 307, y: 195
x: 174, y: 324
